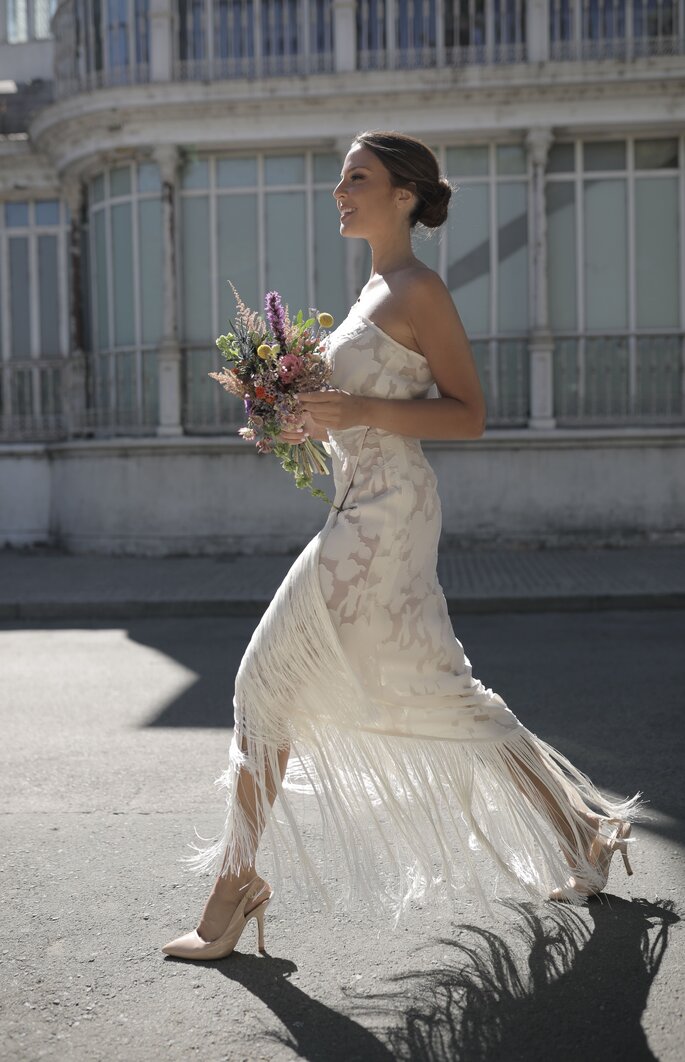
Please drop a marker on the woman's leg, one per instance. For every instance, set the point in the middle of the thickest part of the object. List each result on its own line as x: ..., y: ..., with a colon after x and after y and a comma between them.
x: 587, y: 822
x: 226, y: 893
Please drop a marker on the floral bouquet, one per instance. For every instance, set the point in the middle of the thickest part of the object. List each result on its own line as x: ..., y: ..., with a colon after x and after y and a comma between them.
x: 269, y: 361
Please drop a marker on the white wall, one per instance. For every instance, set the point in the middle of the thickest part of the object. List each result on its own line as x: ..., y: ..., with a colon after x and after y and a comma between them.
x: 160, y: 496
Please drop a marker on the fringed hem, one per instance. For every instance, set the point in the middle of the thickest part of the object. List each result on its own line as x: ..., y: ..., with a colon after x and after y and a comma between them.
x: 400, y: 817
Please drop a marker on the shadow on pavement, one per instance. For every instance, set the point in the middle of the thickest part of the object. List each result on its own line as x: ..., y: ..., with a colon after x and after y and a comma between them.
x: 317, y: 1032
x: 579, y: 994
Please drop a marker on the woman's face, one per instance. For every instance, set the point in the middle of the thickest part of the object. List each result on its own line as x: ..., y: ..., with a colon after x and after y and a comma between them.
x: 368, y: 202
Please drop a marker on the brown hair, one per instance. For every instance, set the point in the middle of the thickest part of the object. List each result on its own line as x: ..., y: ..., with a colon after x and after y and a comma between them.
x: 411, y: 164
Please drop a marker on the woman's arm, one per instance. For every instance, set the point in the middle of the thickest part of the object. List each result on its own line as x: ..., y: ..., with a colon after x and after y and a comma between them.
x: 439, y: 334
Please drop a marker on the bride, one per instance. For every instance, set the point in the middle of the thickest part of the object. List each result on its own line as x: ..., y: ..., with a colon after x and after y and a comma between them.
x: 353, y: 689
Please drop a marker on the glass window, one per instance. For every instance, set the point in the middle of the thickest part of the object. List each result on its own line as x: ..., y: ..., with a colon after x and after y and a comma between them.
x: 656, y: 252
x: 329, y: 258
x: 197, y: 302
x: 468, y: 257
x: 236, y: 173
x: 284, y: 169
x: 511, y: 159
x: 286, y: 264
x: 120, y: 181
x: 327, y: 168
x: 47, y: 212
x: 426, y: 245
x: 16, y: 215
x: 122, y: 275
x: 20, y: 292
x: 656, y: 154
x: 561, y: 158
x: 100, y: 279
x: 195, y: 174
x: 48, y: 296
x: 512, y: 256
x: 561, y: 254
x: 468, y: 161
x: 97, y: 188
x: 606, y: 254
x: 149, y: 177
x: 604, y: 155
x: 238, y: 254
x: 151, y: 269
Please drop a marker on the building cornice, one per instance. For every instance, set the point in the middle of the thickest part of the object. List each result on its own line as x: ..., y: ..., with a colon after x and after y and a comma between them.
x: 469, y: 101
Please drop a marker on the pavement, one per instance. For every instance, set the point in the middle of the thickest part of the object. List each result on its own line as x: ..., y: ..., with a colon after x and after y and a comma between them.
x: 113, y: 732
x: 47, y: 584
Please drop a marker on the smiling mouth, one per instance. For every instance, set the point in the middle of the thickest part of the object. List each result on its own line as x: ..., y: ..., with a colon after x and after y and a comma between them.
x: 345, y: 213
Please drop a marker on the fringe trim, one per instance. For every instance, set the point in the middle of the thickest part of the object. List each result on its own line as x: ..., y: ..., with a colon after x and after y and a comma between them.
x: 401, y: 816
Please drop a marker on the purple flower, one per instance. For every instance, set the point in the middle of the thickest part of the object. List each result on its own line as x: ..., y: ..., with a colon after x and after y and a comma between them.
x: 248, y: 405
x: 276, y: 317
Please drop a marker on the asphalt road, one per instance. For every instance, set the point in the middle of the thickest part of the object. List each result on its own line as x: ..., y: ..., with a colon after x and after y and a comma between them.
x: 112, y: 736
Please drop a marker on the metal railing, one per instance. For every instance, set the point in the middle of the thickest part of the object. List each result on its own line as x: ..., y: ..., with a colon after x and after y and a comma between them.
x: 252, y: 38
x: 615, y: 29
x: 624, y: 379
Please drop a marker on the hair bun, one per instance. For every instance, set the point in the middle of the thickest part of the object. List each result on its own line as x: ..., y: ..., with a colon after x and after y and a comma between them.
x: 436, y: 201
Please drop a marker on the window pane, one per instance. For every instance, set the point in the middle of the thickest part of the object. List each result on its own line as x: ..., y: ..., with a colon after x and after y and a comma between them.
x: 20, y: 334
x: 16, y: 215
x: 195, y: 174
x: 150, y: 388
x: 512, y: 256
x: 656, y: 252
x: 238, y: 254
x: 511, y: 158
x: 426, y: 245
x: 286, y: 248
x: 97, y: 188
x: 327, y: 168
x: 284, y: 169
x: 148, y: 177
x: 468, y: 161
x: 122, y: 273
x: 330, y: 292
x: 151, y: 266
x: 197, y: 304
x: 47, y: 212
x: 606, y: 254
x: 127, y: 399
x: 120, y: 181
x: 604, y: 155
x: 100, y: 280
x: 468, y: 257
x: 561, y: 254
x: 48, y: 295
x: 236, y: 173
x: 656, y: 154
x: 561, y: 158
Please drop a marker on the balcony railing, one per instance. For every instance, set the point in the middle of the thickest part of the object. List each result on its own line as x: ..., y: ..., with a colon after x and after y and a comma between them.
x: 101, y: 45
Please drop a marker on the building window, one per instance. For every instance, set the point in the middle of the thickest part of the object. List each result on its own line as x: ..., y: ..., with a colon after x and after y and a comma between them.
x: 615, y: 278
x: 262, y: 222
x: 34, y: 327
x: 29, y: 20
x: 125, y: 297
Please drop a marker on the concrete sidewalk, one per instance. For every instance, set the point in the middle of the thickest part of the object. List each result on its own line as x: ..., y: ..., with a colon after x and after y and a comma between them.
x: 44, y: 584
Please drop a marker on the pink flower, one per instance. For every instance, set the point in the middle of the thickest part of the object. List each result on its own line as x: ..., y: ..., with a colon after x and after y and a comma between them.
x: 289, y: 367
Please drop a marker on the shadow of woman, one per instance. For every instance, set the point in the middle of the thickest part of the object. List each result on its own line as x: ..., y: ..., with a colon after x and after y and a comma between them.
x: 577, y: 993
x: 316, y: 1032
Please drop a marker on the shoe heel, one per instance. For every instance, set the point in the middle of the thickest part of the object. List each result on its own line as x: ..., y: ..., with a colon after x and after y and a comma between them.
x: 626, y: 863
x: 258, y: 914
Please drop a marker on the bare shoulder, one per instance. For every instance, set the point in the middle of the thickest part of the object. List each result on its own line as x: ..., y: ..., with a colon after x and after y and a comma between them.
x: 426, y: 292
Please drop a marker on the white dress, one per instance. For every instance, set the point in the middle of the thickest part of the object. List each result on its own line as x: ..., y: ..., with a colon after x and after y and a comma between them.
x: 410, y: 764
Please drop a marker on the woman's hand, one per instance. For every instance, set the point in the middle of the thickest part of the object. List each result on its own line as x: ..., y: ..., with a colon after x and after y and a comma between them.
x: 334, y: 409
x: 308, y: 428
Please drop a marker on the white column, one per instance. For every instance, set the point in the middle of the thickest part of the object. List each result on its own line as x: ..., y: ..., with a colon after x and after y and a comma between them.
x: 344, y: 35
x: 537, y: 31
x: 162, y: 26
x: 74, y: 383
x: 540, y: 340
x: 169, y: 352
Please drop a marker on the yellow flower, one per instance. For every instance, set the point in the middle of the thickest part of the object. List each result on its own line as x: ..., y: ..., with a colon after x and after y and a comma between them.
x: 264, y: 351
x: 325, y: 320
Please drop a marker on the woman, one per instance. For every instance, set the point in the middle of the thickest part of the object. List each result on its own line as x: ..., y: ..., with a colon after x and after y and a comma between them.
x: 353, y: 688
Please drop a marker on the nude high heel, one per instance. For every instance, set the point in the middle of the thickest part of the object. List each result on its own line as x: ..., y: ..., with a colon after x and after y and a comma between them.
x: 192, y: 946
x: 600, y: 855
